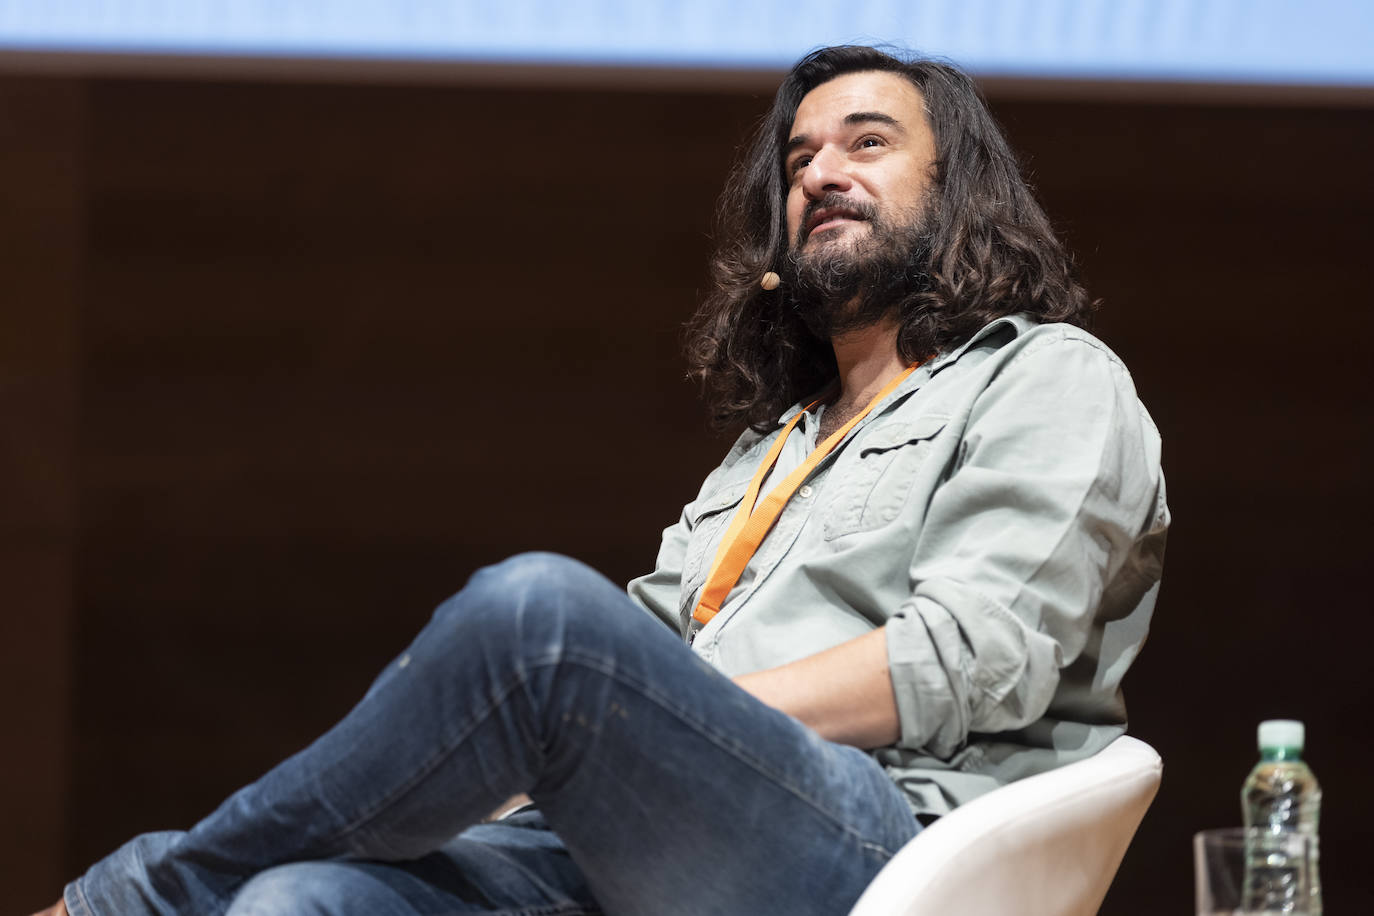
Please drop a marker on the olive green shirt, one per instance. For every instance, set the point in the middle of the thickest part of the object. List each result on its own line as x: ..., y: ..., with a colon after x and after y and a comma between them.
x: 1001, y: 513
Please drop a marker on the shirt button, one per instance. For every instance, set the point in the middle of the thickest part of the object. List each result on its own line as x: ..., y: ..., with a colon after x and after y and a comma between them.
x: 805, y: 492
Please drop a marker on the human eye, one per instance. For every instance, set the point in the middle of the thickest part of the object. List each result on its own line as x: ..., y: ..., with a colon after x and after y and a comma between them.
x: 797, y: 163
x: 870, y: 141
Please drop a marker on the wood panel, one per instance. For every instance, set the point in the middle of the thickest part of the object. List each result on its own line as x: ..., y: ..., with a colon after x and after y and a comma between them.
x: 40, y: 240
x: 345, y: 346
x: 1230, y: 246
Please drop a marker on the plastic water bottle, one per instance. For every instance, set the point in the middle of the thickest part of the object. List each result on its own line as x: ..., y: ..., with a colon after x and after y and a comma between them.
x: 1280, y: 796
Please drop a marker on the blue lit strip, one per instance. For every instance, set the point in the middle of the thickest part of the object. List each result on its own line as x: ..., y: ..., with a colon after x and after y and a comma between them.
x: 1278, y: 41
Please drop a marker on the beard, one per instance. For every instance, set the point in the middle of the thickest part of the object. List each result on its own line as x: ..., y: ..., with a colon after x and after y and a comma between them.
x: 844, y: 284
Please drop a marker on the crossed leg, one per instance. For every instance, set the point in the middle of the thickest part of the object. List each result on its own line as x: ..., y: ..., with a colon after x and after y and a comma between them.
x: 668, y: 789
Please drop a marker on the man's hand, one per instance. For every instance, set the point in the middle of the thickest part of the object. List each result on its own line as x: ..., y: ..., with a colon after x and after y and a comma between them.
x: 844, y: 693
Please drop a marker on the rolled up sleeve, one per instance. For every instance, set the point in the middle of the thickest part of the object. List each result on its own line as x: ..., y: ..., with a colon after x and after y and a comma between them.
x: 1053, y: 486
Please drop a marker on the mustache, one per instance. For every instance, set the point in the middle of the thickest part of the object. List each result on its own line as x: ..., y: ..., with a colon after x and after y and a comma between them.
x: 833, y: 200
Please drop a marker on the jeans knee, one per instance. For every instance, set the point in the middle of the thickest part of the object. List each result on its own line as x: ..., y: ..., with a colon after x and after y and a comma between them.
x: 526, y: 585
x: 528, y: 606
x: 534, y: 575
x: 297, y: 889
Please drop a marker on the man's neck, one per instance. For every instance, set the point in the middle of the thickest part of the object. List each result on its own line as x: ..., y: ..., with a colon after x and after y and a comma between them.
x: 867, y: 359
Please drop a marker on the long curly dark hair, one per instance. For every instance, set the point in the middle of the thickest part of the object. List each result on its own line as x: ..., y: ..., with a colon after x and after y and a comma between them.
x: 994, y: 252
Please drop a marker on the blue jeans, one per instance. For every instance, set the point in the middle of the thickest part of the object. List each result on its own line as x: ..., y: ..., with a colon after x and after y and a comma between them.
x: 661, y: 787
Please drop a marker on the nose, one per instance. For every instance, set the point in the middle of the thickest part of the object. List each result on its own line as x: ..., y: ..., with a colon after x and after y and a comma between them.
x: 827, y: 171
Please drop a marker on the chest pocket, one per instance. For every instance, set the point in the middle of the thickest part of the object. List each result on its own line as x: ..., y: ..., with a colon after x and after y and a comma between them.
x: 869, y: 490
x: 710, y: 518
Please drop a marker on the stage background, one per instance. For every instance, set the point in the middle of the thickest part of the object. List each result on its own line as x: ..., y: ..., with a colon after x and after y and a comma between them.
x: 282, y: 363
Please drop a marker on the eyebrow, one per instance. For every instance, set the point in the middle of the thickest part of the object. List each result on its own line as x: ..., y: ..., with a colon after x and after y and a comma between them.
x: 857, y: 117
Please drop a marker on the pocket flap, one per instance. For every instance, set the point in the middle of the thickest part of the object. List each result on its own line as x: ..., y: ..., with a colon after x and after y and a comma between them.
x: 726, y: 497
x: 897, y: 433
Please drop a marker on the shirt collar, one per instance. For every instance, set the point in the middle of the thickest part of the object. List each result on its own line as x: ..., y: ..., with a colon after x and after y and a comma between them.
x: 1018, y: 323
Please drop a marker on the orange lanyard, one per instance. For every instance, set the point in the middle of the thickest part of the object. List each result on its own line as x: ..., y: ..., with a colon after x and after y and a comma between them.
x: 750, y: 525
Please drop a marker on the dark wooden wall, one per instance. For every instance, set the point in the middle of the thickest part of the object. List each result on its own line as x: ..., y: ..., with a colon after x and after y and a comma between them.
x: 280, y: 365
x: 41, y: 248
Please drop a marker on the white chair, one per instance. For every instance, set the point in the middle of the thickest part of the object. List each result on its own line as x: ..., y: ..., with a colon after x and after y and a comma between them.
x: 1047, y: 845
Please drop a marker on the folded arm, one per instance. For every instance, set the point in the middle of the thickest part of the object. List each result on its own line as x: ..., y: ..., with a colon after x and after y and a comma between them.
x: 844, y: 693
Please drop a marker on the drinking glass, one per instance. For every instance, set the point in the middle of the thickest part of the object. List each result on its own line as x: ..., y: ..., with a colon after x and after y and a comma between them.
x: 1253, y: 871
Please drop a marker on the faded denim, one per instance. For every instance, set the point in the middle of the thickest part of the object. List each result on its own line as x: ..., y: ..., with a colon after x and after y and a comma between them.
x: 662, y: 788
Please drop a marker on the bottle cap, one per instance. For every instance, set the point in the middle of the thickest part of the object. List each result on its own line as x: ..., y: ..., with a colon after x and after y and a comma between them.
x: 1286, y: 733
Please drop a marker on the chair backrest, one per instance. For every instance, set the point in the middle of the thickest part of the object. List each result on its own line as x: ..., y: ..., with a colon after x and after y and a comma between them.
x: 1047, y: 845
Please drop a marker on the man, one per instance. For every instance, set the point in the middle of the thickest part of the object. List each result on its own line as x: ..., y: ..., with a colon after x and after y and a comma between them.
x: 925, y: 580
